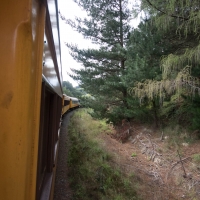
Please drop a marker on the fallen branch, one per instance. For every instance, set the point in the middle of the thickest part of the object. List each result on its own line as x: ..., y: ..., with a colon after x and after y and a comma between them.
x: 185, y: 175
x: 173, y: 165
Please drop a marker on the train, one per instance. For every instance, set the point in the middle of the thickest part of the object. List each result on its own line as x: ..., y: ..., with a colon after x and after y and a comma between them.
x: 31, y: 98
x: 70, y: 103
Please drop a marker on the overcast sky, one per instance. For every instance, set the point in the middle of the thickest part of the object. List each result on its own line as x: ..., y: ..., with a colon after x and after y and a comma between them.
x: 70, y: 9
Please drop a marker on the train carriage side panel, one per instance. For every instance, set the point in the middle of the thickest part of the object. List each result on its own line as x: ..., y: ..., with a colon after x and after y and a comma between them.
x: 67, y: 104
x: 29, y: 102
x: 21, y: 36
x: 51, y: 105
x: 75, y: 102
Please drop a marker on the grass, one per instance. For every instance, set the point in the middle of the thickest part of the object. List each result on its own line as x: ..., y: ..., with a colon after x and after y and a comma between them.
x: 91, y: 171
x: 177, y: 136
x: 133, y: 155
x: 196, y: 158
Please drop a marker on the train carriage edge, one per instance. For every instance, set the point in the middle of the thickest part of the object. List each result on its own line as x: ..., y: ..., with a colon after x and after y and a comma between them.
x: 31, y: 98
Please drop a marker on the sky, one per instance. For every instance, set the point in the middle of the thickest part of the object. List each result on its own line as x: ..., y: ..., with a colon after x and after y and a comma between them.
x: 70, y: 9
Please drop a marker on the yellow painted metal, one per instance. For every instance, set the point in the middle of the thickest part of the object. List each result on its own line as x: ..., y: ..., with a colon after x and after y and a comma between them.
x: 74, y: 102
x: 65, y: 109
x: 21, y: 50
x: 74, y: 105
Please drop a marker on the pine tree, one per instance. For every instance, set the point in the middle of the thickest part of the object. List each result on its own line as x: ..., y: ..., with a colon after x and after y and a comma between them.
x: 107, y: 25
x: 181, y: 19
x: 145, y: 47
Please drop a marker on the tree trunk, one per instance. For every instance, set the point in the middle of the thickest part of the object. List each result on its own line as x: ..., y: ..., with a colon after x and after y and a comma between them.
x: 121, y: 25
x: 124, y: 99
x: 156, y: 119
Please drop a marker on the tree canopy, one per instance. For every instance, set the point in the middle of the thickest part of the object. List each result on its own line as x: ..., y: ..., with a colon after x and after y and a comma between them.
x: 157, y: 62
x: 108, y: 26
x: 181, y: 20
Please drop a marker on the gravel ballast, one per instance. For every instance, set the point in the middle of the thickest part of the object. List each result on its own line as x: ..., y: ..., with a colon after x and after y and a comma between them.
x: 62, y: 189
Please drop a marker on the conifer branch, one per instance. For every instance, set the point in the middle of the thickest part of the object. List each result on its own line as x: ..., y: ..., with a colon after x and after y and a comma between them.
x: 161, y: 89
x: 170, y: 15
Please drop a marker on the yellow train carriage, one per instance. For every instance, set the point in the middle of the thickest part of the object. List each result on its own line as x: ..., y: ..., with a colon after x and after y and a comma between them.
x: 69, y: 103
x: 30, y: 98
x: 66, y: 104
x: 75, y: 103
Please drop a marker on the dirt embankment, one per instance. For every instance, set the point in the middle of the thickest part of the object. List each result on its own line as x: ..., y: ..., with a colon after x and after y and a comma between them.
x: 161, y: 172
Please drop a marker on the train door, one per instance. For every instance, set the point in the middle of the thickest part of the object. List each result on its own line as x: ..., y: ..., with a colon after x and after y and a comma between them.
x: 50, y: 113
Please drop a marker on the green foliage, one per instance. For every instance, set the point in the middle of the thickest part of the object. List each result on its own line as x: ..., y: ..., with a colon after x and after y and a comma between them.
x: 133, y: 155
x: 69, y: 90
x: 102, y: 76
x: 196, y: 158
x: 77, y: 92
x: 182, y: 17
x: 182, y: 110
x: 157, y: 62
x: 92, y: 175
x: 194, y: 111
x: 146, y: 46
x: 196, y: 117
x: 177, y: 25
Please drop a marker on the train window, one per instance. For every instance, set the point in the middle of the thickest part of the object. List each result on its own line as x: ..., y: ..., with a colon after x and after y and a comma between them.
x: 76, y: 102
x: 66, y: 102
x: 49, y: 124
